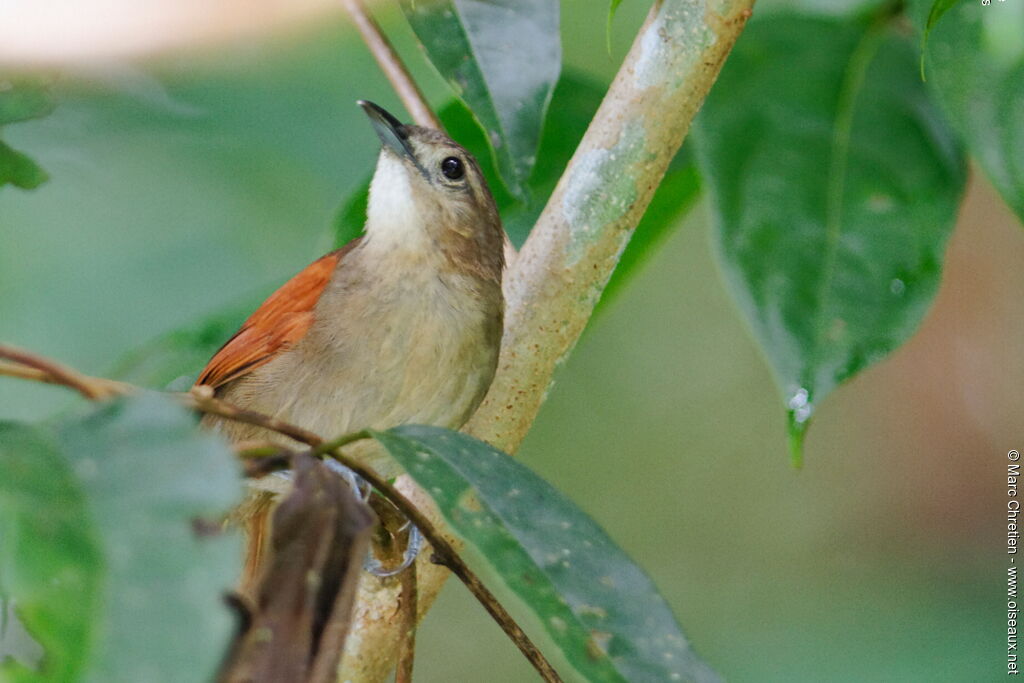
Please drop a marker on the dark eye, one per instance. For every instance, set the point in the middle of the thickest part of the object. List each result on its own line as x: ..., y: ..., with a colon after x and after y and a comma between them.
x: 452, y: 168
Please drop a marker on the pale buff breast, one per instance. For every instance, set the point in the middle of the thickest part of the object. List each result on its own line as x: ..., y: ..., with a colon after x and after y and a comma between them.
x: 427, y: 357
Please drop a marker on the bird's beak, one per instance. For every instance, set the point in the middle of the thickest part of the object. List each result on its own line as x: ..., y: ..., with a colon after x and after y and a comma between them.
x: 389, y: 129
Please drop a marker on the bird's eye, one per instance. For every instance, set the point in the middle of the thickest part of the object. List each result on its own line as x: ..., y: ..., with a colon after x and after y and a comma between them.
x: 452, y: 168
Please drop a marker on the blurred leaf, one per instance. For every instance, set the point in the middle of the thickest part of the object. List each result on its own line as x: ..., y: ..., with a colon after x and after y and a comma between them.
x: 502, y: 58
x: 598, y: 606
x: 174, y: 360
x: 98, y: 552
x: 148, y: 474
x: 612, y: 7
x: 22, y: 101
x: 939, y: 7
x: 18, y: 170
x: 976, y: 66
x: 50, y: 561
x: 835, y: 185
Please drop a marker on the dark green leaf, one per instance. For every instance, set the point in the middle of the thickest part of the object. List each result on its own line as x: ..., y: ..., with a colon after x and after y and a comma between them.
x: 835, y: 185
x: 22, y: 101
x: 18, y: 170
x: 50, y: 561
x: 598, y: 606
x: 502, y: 58
x: 975, y: 60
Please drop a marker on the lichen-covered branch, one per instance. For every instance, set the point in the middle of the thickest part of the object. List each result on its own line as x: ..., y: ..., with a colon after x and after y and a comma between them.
x: 556, y: 281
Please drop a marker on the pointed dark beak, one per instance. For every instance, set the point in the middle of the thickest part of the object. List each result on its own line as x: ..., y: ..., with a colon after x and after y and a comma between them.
x: 389, y: 129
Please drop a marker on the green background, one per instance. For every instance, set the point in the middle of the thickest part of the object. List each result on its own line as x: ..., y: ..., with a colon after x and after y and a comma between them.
x: 185, y: 184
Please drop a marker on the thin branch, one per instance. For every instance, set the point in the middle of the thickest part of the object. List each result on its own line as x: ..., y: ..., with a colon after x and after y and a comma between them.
x: 392, y: 66
x: 407, y: 645
x: 450, y: 558
x: 201, y: 399
x: 53, y: 372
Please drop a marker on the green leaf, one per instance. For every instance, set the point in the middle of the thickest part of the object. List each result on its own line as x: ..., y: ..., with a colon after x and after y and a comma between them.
x: 833, y: 194
x: 21, y: 101
x: 598, y: 606
x: 939, y: 7
x: 24, y: 100
x: 18, y: 170
x: 502, y: 58
x: 975, y: 63
x: 612, y: 7
x: 135, y: 596
x: 50, y: 560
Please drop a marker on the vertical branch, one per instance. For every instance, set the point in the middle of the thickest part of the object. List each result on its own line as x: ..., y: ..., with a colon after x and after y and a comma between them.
x: 407, y: 645
x: 554, y: 284
x: 556, y: 281
x: 391, y: 64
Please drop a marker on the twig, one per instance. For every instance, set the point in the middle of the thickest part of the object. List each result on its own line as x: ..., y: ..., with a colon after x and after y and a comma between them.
x: 92, y: 388
x: 201, y: 399
x: 450, y: 558
x: 407, y: 646
x: 392, y: 66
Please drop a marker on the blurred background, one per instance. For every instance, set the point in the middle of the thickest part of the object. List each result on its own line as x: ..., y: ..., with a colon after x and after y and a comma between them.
x: 187, y: 181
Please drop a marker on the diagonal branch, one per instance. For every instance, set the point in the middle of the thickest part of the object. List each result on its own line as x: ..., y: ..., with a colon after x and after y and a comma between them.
x: 554, y: 284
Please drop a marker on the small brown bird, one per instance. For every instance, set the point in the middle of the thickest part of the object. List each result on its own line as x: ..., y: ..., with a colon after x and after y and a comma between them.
x: 401, y: 325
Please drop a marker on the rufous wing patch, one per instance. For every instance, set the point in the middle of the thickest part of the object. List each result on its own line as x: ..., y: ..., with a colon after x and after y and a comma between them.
x: 281, y: 321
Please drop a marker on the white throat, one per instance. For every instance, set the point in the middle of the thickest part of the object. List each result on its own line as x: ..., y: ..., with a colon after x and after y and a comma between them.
x: 392, y: 220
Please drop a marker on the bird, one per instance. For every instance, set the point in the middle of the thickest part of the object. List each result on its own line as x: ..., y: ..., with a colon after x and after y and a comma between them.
x: 402, y: 325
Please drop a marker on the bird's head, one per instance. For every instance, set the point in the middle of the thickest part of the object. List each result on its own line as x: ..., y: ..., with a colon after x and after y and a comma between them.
x: 428, y: 193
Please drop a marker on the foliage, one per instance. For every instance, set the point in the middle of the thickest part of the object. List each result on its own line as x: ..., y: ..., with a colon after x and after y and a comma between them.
x: 834, y: 196
x: 595, y: 603
x: 502, y: 59
x: 21, y: 100
x: 98, y: 552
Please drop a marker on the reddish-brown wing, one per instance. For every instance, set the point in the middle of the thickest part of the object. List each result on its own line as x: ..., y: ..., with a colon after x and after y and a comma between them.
x: 281, y: 321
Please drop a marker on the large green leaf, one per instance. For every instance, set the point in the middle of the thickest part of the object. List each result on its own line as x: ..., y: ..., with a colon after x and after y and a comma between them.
x: 598, y: 606
x: 975, y: 63
x: 20, y: 101
x: 103, y: 564
x: 835, y: 184
x: 502, y: 58
x: 50, y: 560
